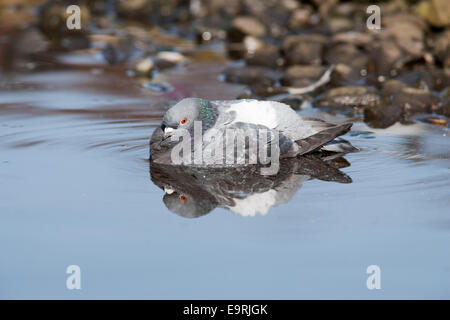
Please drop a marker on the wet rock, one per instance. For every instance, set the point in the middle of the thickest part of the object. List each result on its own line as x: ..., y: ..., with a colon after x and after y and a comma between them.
x: 347, y: 54
x: 414, y: 100
x: 206, y: 34
x: 407, y: 31
x: 324, y: 6
x: 264, y: 91
x: 441, y: 48
x: 53, y: 21
x: 17, y: 48
x: 250, y: 75
x: 382, y: 115
x: 267, y: 56
x: 302, y: 76
x: 247, y: 95
x: 353, y: 37
x: 393, y: 7
x: 347, y: 75
x: 339, y: 24
x: 428, y: 79
x: 118, y: 51
x: 248, y: 46
x: 16, y: 14
x: 245, y: 26
x: 134, y: 9
x: 446, y: 93
x: 436, y: 12
x: 401, y: 42
x: 291, y: 41
x: 171, y: 57
x: 253, y: 44
x: 349, y: 96
x: 75, y: 42
x: 304, y: 49
x: 155, y: 86
x: 161, y: 39
x: 151, y: 11
x: 387, y: 57
x: 208, y: 56
x: 162, y: 64
x: 144, y: 67
x: 436, y: 121
x: 236, y: 51
x: 444, y: 109
x: 163, y: 60
x: 294, y: 102
x: 271, y: 13
x: 346, y: 9
x: 351, y: 63
x: 98, y: 7
x: 300, y: 17
x: 392, y: 87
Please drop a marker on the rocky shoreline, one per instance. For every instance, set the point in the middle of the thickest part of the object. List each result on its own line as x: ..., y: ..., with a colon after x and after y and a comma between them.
x: 399, y: 73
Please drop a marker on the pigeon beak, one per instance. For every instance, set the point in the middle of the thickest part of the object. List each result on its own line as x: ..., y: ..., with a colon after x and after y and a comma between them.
x: 168, y: 190
x: 168, y: 130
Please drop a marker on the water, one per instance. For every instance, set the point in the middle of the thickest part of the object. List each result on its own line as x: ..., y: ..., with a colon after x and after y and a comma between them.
x: 75, y: 189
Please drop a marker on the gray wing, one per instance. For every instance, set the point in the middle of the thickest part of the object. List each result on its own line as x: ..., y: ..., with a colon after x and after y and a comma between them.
x: 321, y: 138
x: 243, y: 143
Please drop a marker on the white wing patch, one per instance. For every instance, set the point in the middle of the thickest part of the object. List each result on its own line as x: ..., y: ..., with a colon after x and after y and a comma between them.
x: 274, y: 115
x: 255, y: 203
x: 262, y: 202
x: 256, y: 112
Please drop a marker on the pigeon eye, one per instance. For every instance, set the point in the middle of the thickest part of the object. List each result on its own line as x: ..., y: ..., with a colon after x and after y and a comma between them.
x: 183, y: 198
x: 184, y: 121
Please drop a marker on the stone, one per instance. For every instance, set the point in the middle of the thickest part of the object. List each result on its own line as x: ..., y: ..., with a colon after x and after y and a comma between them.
x: 267, y: 56
x: 250, y: 75
x: 351, y: 63
x: 382, y: 115
x: 300, y: 18
x: 349, y: 96
x: 304, y: 49
x: 294, y: 102
x: 444, y: 109
x: 144, y: 67
x: 245, y: 26
x: 436, y: 12
x: 414, y: 100
x: 339, y: 24
x: 301, y: 75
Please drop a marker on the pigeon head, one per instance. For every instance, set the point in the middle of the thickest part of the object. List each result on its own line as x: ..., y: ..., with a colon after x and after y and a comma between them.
x: 183, y: 115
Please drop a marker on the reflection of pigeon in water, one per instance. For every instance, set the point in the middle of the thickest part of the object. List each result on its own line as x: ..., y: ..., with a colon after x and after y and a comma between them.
x: 296, y: 135
x: 192, y: 191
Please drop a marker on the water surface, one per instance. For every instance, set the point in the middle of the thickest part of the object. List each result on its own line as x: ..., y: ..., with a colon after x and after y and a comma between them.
x: 75, y: 188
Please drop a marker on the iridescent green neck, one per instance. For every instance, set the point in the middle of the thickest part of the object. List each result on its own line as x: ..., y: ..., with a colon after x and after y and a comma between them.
x: 206, y: 111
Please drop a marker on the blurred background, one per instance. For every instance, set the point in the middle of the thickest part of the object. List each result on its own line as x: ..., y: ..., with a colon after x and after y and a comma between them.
x: 394, y: 72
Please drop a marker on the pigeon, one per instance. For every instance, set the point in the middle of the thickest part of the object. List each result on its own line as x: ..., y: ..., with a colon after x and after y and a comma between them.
x: 295, y: 135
